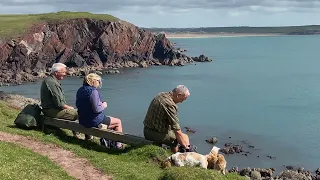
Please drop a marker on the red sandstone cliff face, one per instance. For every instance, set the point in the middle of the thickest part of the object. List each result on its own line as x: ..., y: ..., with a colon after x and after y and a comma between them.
x: 83, y: 43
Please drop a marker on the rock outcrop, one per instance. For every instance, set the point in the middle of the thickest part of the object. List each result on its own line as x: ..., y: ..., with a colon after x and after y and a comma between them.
x: 17, y: 101
x: 202, y: 58
x: 82, y: 42
x: 268, y: 173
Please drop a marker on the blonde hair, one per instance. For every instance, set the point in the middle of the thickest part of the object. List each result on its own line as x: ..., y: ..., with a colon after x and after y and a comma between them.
x: 91, y: 77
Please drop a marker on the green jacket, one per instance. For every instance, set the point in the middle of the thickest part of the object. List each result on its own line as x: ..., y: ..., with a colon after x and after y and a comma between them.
x: 52, y: 95
x: 162, y: 114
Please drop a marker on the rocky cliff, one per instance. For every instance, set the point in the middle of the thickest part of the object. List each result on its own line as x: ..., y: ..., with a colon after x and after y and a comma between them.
x: 82, y: 43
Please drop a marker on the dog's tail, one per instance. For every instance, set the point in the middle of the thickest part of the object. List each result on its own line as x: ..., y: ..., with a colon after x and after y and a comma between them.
x: 221, y: 164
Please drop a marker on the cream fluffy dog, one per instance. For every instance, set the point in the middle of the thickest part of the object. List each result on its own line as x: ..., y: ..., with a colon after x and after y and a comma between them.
x: 213, y: 160
x: 216, y: 161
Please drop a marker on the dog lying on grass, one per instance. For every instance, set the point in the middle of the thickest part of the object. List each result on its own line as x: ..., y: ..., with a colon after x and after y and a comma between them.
x: 213, y: 160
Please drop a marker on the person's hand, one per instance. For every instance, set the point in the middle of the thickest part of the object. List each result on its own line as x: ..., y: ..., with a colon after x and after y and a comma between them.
x: 105, y: 104
x: 67, y: 107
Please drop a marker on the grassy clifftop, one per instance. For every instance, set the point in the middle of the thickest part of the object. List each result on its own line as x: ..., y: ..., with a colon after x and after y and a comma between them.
x: 134, y: 163
x: 12, y: 25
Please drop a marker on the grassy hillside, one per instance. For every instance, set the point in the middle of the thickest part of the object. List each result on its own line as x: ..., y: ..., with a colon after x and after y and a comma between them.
x: 133, y: 163
x: 12, y: 25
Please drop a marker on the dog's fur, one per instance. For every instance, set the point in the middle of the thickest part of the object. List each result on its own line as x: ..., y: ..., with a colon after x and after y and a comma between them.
x: 186, y: 159
x: 213, y: 160
x: 216, y: 161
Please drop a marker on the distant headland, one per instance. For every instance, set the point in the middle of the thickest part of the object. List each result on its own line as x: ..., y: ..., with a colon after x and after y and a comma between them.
x: 238, y: 31
x: 31, y: 43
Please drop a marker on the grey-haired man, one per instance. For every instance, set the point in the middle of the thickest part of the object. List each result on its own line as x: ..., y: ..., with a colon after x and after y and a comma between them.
x: 161, y: 123
x: 53, y: 100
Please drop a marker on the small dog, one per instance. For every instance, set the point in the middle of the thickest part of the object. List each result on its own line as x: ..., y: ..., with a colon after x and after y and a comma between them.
x: 213, y: 160
x: 186, y: 159
x: 216, y: 161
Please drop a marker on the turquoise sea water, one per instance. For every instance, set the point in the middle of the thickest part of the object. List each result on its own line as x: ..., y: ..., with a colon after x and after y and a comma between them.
x: 261, y: 90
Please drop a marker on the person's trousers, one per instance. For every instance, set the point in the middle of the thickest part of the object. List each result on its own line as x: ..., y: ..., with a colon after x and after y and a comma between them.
x: 68, y: 114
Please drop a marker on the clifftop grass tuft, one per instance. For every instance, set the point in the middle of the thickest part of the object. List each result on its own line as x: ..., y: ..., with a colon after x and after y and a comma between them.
x: 13, y: 25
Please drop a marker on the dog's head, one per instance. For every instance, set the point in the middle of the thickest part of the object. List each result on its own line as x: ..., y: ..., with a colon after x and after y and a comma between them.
x: 212, y: 157
x: 215, y: 150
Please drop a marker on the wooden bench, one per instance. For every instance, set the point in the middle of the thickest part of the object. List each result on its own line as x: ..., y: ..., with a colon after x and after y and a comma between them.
x: 103, y: 133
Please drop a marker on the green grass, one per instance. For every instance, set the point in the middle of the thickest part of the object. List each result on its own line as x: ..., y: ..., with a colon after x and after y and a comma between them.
x: 13, y: 25
x: 134, y: 163
x: 19, y: 163
x: 182, y: 173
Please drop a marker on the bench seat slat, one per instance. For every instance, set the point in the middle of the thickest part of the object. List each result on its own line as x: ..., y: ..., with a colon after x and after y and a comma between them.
x: 103, y: 133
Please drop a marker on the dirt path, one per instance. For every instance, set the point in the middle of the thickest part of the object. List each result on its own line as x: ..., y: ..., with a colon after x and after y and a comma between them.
x: 79, y: 168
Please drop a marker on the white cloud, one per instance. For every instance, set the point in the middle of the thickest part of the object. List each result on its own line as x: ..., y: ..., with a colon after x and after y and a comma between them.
x: 99, y: 5
x: 177, y: 13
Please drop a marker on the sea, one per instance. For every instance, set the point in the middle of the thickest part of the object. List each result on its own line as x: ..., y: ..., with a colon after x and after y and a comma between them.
x: 262, y: 93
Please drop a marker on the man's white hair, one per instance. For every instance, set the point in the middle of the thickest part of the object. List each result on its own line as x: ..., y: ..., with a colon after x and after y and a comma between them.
x: 57, y: 67
x: 181, y: 89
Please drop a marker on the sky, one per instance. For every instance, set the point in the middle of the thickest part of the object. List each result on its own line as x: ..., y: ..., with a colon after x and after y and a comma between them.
x: 182, y: 13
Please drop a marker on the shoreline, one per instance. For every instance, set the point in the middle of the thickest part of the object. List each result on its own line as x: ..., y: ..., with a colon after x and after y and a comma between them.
x: 113, y: 68
x: 216, y: 35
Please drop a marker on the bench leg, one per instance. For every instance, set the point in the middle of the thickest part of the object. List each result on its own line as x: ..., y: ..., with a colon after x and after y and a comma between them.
x: 44, y: 129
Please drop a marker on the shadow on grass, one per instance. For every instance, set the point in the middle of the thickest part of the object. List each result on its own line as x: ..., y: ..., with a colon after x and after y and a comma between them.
x: 89, y: 145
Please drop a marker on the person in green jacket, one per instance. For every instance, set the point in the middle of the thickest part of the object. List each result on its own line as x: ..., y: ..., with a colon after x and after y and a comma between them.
x: 53, y: 100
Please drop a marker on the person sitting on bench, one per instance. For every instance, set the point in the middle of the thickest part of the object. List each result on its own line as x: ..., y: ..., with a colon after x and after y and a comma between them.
x: 91, y: 109
x: 53, y: 101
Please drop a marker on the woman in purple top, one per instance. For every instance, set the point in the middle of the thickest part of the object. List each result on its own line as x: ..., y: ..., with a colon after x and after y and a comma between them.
x: 91, y: 108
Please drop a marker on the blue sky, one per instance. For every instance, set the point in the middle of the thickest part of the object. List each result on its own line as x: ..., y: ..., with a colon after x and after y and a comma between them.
x: 183, y: 13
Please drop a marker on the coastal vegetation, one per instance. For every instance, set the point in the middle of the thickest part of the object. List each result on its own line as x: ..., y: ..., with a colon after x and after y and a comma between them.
x: 131, y: 163
x: 13, y: 25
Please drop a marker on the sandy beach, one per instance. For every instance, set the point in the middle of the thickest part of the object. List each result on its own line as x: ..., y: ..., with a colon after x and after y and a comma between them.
x: 195, y: 35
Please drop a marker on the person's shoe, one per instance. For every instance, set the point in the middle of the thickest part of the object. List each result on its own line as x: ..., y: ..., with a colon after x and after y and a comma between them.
x: 113, y: 144
x: 76, y: 134
x: 105, y: 142
x: 88, y: 137
x: 119, y: 145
